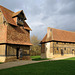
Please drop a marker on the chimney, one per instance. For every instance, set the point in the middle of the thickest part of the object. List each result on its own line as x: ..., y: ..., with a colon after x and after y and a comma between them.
x: 48, y: 32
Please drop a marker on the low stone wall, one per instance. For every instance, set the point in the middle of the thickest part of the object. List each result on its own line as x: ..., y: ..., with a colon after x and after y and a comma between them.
x: 11, y: 58
x: 14, y: 58
x: 43, y: 55
x: 26, y: 58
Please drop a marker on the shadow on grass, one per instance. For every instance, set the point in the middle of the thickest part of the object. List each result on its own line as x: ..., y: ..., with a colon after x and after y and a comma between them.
x: 0, y: 63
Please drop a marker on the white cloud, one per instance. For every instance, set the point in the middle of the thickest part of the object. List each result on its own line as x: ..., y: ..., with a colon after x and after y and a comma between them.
x: 45, y: 13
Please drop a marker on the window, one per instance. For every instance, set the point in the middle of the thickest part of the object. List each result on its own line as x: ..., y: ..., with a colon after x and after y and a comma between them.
x: 72, y: 49
x: 57, y: 48
x: 64, y: 48
x: 20, y: 19
x: 56, y: 42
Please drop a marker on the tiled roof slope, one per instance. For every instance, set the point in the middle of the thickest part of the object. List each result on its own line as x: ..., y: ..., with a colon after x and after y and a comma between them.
x: 15, y: 14
x: 26, y: 26
x: 60, y: 35
x: 8, y: 15
x: 17, y: 35
x: 13, y: 34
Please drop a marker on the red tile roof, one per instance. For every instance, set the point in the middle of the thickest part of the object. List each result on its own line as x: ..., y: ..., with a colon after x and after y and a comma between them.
x: 20, y: 43
x: 14, y: 35
x: 17, y: 13
x: 8, y: 15
x: 26, y: 26
x: 60, y: 35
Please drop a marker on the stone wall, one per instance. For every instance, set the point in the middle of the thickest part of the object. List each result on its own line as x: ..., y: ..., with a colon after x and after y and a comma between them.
x: 46, y: 51
x: 2, y: 53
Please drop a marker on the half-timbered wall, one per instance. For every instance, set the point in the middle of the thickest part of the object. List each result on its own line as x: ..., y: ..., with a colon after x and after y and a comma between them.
x: 57, y: 49
x: 68, y: 48
x: 11, y: 53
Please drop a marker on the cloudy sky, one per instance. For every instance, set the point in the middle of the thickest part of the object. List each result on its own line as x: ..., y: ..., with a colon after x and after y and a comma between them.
x: 41, y: 14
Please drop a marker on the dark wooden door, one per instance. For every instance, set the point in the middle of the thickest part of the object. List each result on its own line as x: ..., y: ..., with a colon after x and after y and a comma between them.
x: 17, y: 53
x: 21, y: 54
x: 62, y: 53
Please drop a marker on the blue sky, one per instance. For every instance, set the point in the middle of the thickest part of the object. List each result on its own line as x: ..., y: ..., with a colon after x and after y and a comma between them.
x: 41, y: 14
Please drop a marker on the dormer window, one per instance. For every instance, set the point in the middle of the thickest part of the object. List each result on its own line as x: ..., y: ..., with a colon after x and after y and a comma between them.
x: 20, y: 21
x: 19, y: 17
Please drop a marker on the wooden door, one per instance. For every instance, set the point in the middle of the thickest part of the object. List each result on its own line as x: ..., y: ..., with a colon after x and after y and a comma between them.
x: 62, y: 53
x: 17, y: 53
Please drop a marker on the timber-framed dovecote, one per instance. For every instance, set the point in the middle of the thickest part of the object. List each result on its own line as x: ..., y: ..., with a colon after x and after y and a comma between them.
x: 14, y: 35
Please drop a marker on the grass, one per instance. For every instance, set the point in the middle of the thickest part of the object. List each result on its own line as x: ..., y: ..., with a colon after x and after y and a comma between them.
x: 59, y: 67
x: 37, y: 58
x: 73, y: 58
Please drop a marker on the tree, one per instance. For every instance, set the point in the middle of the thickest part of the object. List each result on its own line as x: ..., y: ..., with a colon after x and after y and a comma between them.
x: 35, y: 48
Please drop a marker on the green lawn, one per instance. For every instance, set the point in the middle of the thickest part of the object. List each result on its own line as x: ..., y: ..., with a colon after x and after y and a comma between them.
x: 61, y: 67
x: 73, y: 58
x: 37, y: 58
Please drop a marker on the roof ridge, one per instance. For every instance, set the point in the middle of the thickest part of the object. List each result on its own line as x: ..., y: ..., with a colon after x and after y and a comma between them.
x: 62, y: 30
x: 6, y: 9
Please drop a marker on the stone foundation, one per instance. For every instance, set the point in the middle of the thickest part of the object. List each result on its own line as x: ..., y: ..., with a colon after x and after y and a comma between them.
x: 2, y: 58
x: 11, y: 58
x: 65, y: 55
x: 26, y: 58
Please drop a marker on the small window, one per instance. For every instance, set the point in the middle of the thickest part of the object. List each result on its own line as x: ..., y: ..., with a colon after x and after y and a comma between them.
x: 57, y: 48
x: 72, y: 49
x: 56, y: 42
x: 64, y: 48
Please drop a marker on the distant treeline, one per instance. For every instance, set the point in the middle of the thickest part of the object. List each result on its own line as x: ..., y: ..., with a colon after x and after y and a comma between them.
x: 35, y: 49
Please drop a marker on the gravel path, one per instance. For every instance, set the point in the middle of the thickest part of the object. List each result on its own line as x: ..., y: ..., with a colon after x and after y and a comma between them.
x: 18, y: 63
x: 23, y: 62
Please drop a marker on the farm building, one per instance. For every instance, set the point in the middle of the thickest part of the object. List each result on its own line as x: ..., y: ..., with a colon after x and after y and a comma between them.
x: 14, y: 35
x: 58, y: 43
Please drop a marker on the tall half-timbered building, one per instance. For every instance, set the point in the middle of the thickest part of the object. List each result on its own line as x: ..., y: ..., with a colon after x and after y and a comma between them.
x: 14, y: 35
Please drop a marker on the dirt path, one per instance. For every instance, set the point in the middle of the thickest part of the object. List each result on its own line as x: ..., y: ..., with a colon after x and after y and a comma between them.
x: 23, y: 62
x: 18, y: 63
x: 63, y: 57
